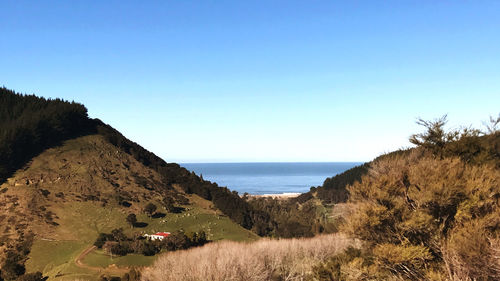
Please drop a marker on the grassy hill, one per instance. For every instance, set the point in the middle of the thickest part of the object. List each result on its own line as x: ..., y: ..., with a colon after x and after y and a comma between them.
x: 65, y: 178
x: 29, y: 125
x: 69, y: 194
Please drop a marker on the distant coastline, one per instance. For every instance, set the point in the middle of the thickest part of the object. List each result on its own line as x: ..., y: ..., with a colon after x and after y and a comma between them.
x: 269, y: 179
x: 285, y: 195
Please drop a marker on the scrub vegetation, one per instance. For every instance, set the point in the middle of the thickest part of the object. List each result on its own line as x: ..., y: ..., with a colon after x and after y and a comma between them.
x: 431, y: 213
x: 426, y: 213
x: 266, y: 259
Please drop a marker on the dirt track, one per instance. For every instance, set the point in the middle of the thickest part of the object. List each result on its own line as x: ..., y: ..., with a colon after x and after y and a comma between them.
x: 112, y: 269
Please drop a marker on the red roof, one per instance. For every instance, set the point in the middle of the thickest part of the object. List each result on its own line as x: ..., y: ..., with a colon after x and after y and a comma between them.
x: 164, y: 234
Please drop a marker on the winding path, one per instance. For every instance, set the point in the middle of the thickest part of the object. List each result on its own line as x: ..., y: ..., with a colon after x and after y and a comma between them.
x: 112, y: 269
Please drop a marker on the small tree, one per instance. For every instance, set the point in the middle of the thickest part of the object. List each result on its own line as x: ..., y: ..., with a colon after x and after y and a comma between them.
x: 132, y: 275
x: 12, y: 266
x: 434, y: 138
x: 118, y: 234
x: 36, y: 276
x: 150, y: 209
x: 132, y: 219
x: 169, y: 204
x: 101, y: 239
x: 108, y: 247
x: 492, y: 125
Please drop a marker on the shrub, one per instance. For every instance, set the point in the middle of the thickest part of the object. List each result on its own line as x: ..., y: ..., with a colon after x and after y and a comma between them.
x: 12, y: 266
x: 101, y: 239
x: 266, y: 259
x: 132, y: 275
x: 471, y: 249
x: 45, y: 192
x: 36, y: 276
x: 132, y: 219
x: 149, y: 209
x: 408, y: 207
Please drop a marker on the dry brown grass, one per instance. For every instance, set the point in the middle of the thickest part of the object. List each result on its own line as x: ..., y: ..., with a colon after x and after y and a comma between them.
x: 461, y: 269
x: 266, y: 259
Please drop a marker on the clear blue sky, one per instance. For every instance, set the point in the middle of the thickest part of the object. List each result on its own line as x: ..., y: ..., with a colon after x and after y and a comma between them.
x: 216, y: 81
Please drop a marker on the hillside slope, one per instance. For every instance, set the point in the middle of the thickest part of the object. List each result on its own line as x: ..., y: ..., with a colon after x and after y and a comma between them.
x: 30, y: 124
x: 69, y: 194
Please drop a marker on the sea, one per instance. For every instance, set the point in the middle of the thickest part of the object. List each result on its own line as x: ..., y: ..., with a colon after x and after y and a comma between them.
x: 269, y: 178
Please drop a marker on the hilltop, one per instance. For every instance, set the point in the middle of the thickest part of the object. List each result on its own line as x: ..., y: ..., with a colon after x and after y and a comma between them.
x: 66, y: 178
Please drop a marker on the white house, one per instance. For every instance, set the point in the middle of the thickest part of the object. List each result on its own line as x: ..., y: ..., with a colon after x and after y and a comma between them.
x: 157, y: 236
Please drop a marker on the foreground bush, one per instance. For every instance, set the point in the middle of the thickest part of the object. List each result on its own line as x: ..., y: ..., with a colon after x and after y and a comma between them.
x: 427, y: 218
x: 290, y: 259
x: 431, y: 213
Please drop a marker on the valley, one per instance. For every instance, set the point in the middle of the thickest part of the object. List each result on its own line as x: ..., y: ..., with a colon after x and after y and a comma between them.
x: 80, y: 202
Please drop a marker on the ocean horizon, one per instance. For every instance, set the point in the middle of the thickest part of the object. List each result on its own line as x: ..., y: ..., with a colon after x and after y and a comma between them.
x: 258, y: 178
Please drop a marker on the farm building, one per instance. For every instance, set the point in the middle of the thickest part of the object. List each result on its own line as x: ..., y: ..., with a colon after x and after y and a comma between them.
x: 157, y: 236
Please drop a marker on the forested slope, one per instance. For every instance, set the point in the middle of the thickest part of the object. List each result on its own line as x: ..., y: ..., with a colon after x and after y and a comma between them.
x: 30, y: 124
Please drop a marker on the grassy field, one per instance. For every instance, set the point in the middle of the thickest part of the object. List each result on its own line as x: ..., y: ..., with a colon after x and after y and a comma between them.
x: 80, y: 223
x: 195, y: 218
x: 99, y: 258
x: 47, y: 256
x: 83, y: 222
